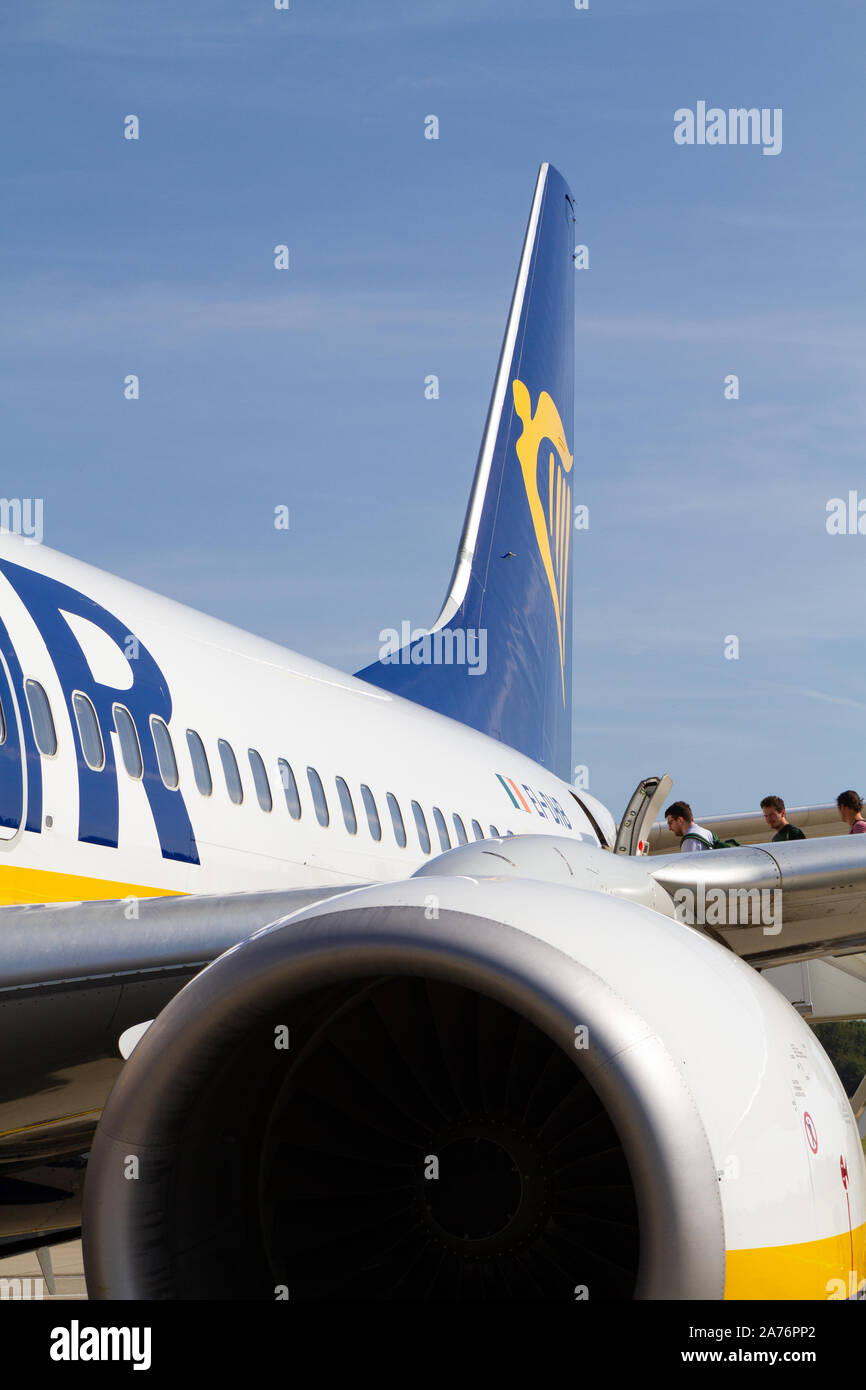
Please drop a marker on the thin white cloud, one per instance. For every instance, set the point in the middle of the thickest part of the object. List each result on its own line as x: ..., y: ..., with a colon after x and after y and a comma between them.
x: 803, y: 328
x: 213, y: 26
x: 165, y: 317
x: 804, y: 693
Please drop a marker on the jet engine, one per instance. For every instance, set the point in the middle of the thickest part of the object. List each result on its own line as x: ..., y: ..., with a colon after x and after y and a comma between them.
x: 514, y: 1075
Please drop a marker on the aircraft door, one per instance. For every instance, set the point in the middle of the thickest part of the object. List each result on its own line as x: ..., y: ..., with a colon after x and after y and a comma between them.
x: 635, y: 826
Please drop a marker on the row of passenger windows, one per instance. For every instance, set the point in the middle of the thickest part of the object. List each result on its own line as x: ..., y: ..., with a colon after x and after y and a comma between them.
x: 93, y: 749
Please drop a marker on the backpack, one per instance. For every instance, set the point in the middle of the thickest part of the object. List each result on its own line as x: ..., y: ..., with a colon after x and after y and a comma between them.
x: 716, y: 842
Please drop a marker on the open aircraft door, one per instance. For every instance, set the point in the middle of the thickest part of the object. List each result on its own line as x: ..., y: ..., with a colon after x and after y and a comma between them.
x: 635, y: 826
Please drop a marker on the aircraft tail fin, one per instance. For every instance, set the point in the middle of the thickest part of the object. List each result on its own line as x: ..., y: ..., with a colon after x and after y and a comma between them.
x: 498, y: 657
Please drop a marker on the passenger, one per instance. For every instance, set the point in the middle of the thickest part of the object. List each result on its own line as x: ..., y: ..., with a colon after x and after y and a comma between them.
x: 773, y: 808
x: 681, y: 823
x: 850, y: 806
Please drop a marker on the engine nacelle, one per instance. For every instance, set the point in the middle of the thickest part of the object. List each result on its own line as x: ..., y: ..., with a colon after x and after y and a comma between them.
x: 477, y: 1087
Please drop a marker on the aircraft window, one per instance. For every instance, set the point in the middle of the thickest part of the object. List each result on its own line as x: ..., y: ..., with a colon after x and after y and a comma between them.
x: 320, y: 801
x: 460, y: 828
x: 130, y: 748
x: 421, y: 827
x: 200, y: 765
x: 164, y: 752
x: 477, y: 831
x: 230, y: 771
x: 369, y: 801
x: 89, y: 732
x: 397, y: 820
x: 40, y: 718
x: 290, y: 787
x: 442, y: 828
x: 2, y: 724
x: 494, y: 833
x: 260, y: 777
x: 348, y: 809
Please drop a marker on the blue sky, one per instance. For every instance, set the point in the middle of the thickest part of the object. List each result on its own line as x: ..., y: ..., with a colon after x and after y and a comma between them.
x: 306, y: 388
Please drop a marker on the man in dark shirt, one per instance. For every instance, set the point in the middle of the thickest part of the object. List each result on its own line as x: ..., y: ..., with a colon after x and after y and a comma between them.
x: 773, y: 808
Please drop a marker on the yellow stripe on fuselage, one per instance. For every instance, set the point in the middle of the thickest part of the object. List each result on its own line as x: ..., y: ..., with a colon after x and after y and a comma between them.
x: 797, y: 1271
x: 19, y: 885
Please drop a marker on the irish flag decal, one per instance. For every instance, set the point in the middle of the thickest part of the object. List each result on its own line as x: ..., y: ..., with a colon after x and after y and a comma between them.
x: 516, y: 799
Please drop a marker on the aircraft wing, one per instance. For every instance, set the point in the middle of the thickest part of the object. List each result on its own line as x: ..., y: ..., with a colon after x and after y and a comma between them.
x: 795, y: 910
x: 820, y: 903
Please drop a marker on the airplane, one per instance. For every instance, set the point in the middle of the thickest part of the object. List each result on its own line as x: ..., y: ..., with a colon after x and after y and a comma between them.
x: 317, y: 985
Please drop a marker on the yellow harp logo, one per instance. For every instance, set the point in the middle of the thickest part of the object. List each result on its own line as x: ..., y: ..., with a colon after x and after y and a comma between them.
x: 553, y: 524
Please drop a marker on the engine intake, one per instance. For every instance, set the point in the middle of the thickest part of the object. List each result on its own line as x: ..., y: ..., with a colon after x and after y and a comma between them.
x: 364, y: 1102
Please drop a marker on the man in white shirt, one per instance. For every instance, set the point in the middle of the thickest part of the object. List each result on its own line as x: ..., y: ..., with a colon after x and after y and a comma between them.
x: 680, y: 823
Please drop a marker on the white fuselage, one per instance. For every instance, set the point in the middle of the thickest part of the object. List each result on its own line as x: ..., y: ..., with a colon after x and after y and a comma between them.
x: 228, y: 685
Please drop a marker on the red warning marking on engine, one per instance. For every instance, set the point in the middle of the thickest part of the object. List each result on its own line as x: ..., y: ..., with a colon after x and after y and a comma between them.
x: 811, y: 1132
x: 844, y: 1169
